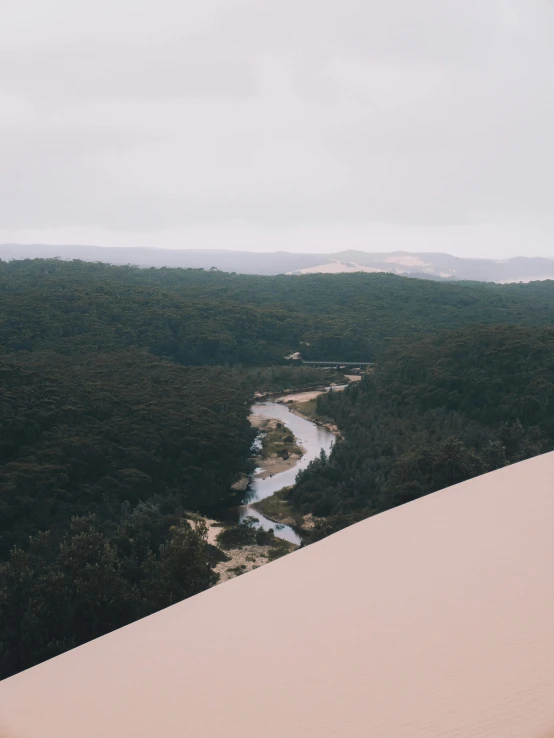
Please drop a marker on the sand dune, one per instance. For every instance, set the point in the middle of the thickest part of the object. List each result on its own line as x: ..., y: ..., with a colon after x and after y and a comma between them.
x: 434, y: 620
x: 336, y: 267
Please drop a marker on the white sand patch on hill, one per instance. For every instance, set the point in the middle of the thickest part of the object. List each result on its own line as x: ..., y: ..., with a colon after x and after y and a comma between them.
x: 406, y: 260
x: 335, y: 267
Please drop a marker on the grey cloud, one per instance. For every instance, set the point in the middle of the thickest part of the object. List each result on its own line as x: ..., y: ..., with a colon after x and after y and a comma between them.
x: 127, y: 73
x: 297, y: 114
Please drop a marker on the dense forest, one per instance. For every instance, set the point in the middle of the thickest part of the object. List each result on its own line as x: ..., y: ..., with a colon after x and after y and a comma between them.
x: 198, y: 317
x: 84, y: 434
x: 434, y: 413
x: 124, y: 405
x: 101, y: 456
x: 58, y: 594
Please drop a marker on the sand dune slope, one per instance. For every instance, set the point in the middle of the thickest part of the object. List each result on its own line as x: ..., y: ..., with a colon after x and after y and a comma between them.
x: 434, y: 620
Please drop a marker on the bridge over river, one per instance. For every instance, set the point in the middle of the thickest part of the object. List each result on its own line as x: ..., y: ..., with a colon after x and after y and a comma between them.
x: 338, y: 363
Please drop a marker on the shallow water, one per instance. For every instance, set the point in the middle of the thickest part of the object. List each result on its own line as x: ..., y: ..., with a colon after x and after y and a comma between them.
x: 313, y: 438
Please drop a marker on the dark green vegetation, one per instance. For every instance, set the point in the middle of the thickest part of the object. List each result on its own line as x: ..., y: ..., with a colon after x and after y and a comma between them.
x: 124, y: 402
x: 246, y: 534
x: 434, y: 413
x: 57, y: 594
x: 276, y: 379
x: 84, y: 315
x: 132, y: 440
x: 198, y: 317
x: 85, y: 434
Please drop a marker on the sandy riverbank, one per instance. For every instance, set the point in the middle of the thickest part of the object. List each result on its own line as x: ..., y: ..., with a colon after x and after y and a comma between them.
x: 241, y: 560
x: 248, y: 558
x: 300, y: 396
x: 294, y: 402
x: 214, y: 528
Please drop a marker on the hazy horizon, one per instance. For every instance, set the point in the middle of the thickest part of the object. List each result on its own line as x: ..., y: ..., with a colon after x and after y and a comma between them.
x: 276, y: 251
x: 301, y: 126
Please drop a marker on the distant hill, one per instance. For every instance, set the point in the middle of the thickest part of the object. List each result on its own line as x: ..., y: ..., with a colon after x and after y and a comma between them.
x: 437, y: 266
x: 427, y: 265
x: 244, y: 262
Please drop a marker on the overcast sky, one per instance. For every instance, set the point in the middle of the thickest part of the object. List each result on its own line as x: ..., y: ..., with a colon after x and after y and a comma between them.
x: 304, y: 125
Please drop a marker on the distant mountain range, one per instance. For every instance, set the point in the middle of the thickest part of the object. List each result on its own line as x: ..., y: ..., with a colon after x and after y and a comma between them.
x: 425, y: 265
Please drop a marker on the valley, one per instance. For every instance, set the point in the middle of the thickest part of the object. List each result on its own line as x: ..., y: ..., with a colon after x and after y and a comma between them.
x: 154, y: 439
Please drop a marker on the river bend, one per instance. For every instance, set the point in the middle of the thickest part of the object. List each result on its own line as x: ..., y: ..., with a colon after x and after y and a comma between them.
x: 312, y: 437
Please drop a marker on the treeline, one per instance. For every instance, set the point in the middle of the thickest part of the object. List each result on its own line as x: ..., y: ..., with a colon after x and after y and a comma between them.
x: 84, y: 434
x: 84, y: 318
x: 101, y: 457
x: 280, y: 378
x: 198, y: 317
x: 59, y: 593
x: 434, y: 413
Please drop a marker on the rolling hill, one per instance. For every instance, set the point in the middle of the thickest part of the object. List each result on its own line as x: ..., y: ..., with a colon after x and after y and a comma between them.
x: 413, y: 264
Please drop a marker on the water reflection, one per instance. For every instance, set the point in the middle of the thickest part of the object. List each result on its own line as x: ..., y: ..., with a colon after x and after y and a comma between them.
x: 313, y: 438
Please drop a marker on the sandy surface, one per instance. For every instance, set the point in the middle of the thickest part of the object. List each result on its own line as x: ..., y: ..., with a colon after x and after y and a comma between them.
x: 274, y: 465
x: 300, y: 396
x: 407, y: 260
x: 257, y: 421
x: 353, y: 377
x: 247, y: 558
x: 336, y: 267
x: 214, y: 529
x: 433, y: 620
x: 309, y: 395
x: 241, y: 484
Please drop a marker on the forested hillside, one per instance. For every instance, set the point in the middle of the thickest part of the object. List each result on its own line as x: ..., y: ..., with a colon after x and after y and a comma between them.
x: 198, y: 317
x: 128, y: 442
x: 83, y: 318
x: 82, y: 435
x: 434, y: 413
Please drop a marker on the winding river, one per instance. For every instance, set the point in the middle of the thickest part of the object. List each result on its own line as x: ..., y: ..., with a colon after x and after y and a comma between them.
x: 313, y: 438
